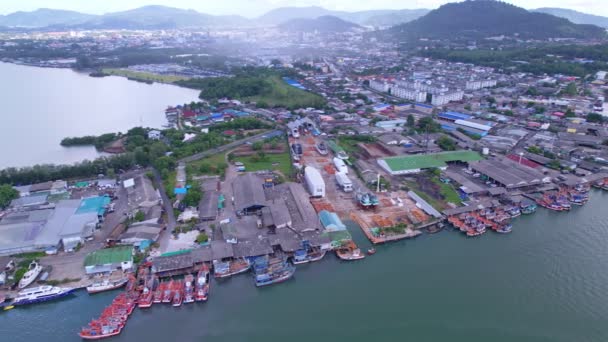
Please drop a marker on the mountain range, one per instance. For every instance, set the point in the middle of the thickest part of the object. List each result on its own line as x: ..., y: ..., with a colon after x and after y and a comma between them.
x: 575, y: 16
x: 159, y: 17
x: 322, y: 24
x: 162, y: 17
x: 478, y: 19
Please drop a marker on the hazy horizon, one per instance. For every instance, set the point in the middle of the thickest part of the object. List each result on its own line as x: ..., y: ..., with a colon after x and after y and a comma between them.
x: 254, y: 8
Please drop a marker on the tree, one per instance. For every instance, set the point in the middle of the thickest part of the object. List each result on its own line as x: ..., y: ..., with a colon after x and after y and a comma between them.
x: 446, y: 143
x: 570, y: 113
x: 571, y: 89
x: 428, y: 124
x: 202, y: 238
x: 595, y: 117
x: 257, y: 146
x: 7, y: 194
x: 139, y: 216
x: 411, y: 121
x: 193, y: 196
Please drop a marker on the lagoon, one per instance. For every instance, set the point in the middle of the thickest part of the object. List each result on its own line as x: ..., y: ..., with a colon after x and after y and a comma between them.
x: 41, y: 106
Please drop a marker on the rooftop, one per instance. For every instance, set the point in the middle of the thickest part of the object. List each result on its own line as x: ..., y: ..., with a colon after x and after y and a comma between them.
x: 425, y: 161
x: 109, y: 256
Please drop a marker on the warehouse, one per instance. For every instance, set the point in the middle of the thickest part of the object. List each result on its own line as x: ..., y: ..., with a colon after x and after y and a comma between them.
x: 109, y: 259
x: 248, y: 193
x: 417, y: 163
x: 508, y: 173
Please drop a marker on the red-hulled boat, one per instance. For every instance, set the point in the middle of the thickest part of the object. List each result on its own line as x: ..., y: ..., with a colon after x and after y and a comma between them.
x: 158, y: 293
x: 168, y: 292
x: 178, y: 293
x: 189, y: 289
x: 202, y: 284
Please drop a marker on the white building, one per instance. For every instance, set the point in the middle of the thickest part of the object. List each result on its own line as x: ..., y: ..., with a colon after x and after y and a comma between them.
x: 601, y: 75
x: 445, y: 98
x: 409, y: 94
x: 154, y: 135
x: 314, y: 181
x: 480, y: 84
x: 379, y: 85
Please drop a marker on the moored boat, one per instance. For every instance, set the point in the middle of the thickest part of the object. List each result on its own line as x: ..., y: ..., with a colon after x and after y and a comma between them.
x: 106, y: 285
x: 178, y: 294
x: 349, y: 252
x: 189, y: 289
x: 202, y: 284
x: 41, y: 294
x: 321, y: 148
x: 32, y: 273
x: 168, y: 293
x: 223, y: 269
x: 272, y: 270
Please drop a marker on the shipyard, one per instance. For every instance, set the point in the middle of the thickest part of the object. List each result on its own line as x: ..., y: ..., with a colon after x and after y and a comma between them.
x: 306, y: 161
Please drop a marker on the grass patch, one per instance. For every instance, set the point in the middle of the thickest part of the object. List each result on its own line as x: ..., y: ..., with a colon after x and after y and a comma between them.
x: 448, y: 192
x: 255, y: 163
x: 144, y: 76
x: 60, y: 282
x: 209, y: 166
x: 169, y: 183
x: 284, y: 95
x: 435, y: 203
x: 30, y: 256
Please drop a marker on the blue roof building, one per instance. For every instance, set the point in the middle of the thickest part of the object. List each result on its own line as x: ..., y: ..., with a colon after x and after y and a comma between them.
x: 453, y: 116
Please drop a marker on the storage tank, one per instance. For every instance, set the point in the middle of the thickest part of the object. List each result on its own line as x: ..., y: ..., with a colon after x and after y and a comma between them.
x: 340, y: 165
x: 344, y: 182
x: 314, y: 182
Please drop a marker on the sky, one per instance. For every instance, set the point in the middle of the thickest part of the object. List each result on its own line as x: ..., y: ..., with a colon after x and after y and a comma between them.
x: 253, y: 8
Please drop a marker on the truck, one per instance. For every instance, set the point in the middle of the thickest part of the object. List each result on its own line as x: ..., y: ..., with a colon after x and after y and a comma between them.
x: 344, y: 182
x: 314, y: 182
x: 340, y: 165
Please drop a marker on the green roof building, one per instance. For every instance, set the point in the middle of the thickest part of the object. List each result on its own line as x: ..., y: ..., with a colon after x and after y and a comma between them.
x: 109, y: 259
x: 402, y: 165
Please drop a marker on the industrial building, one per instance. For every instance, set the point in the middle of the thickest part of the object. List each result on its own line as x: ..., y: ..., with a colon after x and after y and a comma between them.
x: 402, y: 165
x: 62, y: 225
x: 508, y: 173
x: 109, y: 259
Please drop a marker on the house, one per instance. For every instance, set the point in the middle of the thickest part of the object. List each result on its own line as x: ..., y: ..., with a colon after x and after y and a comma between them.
x: 154, y: 135
x: 109, y: 259
x: 393, y: 139
x: 59, y: 187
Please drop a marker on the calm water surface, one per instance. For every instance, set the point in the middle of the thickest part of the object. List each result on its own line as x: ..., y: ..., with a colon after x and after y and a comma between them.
x: 40, y: 106
x: 547, y: 281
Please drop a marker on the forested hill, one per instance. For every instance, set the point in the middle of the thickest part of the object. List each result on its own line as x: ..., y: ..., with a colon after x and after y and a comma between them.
x: 485, y: 18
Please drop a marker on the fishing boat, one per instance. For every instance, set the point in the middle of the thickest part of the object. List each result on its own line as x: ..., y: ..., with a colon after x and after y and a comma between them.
x: 32, y: 273
x: 178, y: 294
x: 106, y: 285
x: 158, y: 293
x: 373, y: 199
x: 111, y: 321
x: 528, y: 207
x: 505, y: 229
x: 146, y: 298
x: 272, y: 270
x: 168, y: 294
x: 189, y: 289
x: 307, y: 253
x: 10, y: 266
x: 41, y: 294
x: 224, y: 269
x: 321, y: 148
x: 202, y: 284
x: 514, y: 211
x: 103, y: 331
x: 363, y: 199
x: 371, y: 251
x: 4, y: 302
x: 349, y: 252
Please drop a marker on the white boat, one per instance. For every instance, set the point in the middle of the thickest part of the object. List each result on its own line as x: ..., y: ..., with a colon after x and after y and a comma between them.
x: 2, y: 278
x: 106, y: 285
x: 41, y: 294
x: 31, y: 275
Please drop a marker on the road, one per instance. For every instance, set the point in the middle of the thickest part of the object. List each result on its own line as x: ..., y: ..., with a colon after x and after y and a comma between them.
x: 227, y: 147
x: 163, y: 241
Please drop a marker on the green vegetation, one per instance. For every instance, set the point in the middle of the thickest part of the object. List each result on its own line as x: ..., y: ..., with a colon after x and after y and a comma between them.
x: 139, y: 216
x: 595, y: 117
x: 143, y: 76
x: 193, y: 196
x: 447, y: 191
x: 212, y: 165
x: 480, y: 19
x: 263, y: 161
x: 99, y: 142
x: 550, y: 59
x: 349, y: 142
x: 19, y: 273
x: 570, y: 89
x: 262, y: 86
x: 30, y: 256
x: 241, y: 124
x: 425, y: 161
x: 427, y: 124
x: 202, y: 238
x: 446, y: 143
x: 7, y: 194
